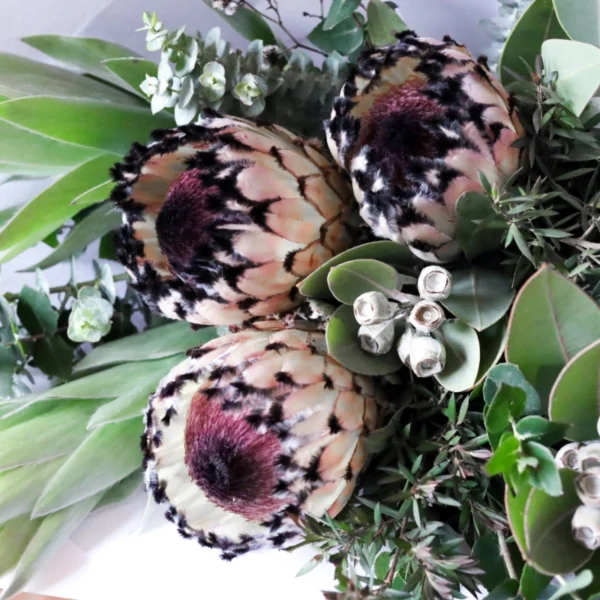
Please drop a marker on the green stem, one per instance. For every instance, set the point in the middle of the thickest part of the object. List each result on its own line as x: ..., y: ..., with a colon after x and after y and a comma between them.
x: 505, y: 553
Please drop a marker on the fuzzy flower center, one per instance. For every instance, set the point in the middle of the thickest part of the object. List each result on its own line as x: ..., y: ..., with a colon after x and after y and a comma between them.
x: 186, y: 219
x: 398, y: 127
x: 231, y: 461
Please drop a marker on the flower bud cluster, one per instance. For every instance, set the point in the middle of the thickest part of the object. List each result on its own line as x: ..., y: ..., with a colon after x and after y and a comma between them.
x: 377, y: 315
x: 196, y: 73
x: 585, y: 459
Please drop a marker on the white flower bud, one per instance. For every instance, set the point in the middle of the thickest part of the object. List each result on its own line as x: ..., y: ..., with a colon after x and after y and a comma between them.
x: 426, y: 316
x: 427, y: 356
x: 568, y: 457
x: 377, y: 339
x: 589, y: 455
x: 587, y: 485
x: 404, y: 345
x: 435, y: 283
x: 372, y: 308
x: 586, y: 526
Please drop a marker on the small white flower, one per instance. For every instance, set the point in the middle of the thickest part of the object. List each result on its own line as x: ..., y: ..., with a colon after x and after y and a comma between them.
x: 426, y: 316
x: 377, y: 339
x: 213, y: 81
x: 435, y: 283
x: 149, y: 86
x: 247, y: 91
x: 229, y: 7
x: 586, y: 527
x: 371, y: 308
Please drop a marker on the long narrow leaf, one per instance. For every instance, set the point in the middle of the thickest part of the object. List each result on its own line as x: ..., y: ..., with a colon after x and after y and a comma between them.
x: 53, y: 531
x: 14, y: 537
x: 132, y: 71
x: 48, y: 211
x: 109, y: 454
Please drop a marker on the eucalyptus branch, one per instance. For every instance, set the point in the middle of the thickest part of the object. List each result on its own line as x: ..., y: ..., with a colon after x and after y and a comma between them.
x: 505, y: 553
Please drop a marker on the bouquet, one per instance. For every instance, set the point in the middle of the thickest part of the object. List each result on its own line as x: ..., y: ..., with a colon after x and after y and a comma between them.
x: 360, y: 305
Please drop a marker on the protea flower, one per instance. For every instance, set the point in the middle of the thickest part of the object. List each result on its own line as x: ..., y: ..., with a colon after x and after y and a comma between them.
x: 222, y: 219
x: 415, y: 126
x: 252, y: 431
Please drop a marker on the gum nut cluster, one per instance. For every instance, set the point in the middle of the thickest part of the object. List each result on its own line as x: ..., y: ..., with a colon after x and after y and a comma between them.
x: 222, y: 219
x: 416, y: 126
x: 251, y: 432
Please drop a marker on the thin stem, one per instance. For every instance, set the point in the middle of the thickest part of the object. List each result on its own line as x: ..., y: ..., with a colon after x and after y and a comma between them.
x: 390, y: 576
x: 563, y: 581
x: 505, y: 553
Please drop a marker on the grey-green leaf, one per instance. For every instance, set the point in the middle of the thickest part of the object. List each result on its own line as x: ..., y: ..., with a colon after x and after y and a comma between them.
x: 338, y: 11
x: 36, y: 312
x: 344, y: 38
x: 14, y: 537
x: 159, y: 342
x: 480, y: 297
x: 383, y: 22
x: 107, y: 455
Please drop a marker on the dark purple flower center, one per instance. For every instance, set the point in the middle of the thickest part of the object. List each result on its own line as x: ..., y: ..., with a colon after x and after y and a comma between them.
x: 231, y: 461
x: 186, y: 219
x: 398, y: 127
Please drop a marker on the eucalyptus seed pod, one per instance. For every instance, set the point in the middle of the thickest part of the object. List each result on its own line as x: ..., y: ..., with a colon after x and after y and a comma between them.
x: 435, y: 283
x: 404, y: 344
x: 587, y: 485
x: 585, y: 525
x: 377, y: 339
x: 426, y: 316
x: 427, y: 356
x: 590, y: 456
x: 371, y: 308
x: 569, y: 457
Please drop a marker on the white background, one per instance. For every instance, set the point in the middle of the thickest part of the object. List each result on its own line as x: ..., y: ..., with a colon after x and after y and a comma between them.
x: 111, y: 556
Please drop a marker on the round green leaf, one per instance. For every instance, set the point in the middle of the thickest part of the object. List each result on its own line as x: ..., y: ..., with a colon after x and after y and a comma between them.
x: 537, y: 24
x: 480, y: 297
x: 315, y: 285
x: 462, y: 355
x: 578, y: 68
x: 515, y: 511
x: 551, y: 321
x: 348, y: 281
x: 581, y: 20
x: 551, y: 546
x: 338, y: 11
x: 343, y: 346
x: 575, y: 397
x: 492, y: 342
x: 344, y: 38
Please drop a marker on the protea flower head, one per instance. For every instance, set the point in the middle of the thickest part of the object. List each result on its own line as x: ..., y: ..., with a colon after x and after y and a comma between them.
x: 415, y: 126
x: 222, y: 219
x: 252, y: 431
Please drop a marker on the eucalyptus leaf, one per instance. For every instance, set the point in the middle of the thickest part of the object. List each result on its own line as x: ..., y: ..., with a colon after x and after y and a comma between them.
x: 580, y: 581
x: 107, y: 455
x: 338, y: 11
x: 159, y: 342
x: 515, y: 511
x: 52, y: 532
x: 343, y: 346
x: 492, y: 342
x: 551, y: 546
x: 383, y: 22
x: 462, y: 355
x: 53, y: 356
x: 351, y: 279
x: 533, y: 584
x: 84, y: 122
x: 345, y: 37
x: 551, y: 321
x: 21, y: 487
x: 8, y: 364
x: 94, y: 225
x: 507, y: 590
x: 581, y: 21
x: 578, y: 68
x: 479, y: 297
x: 545, y: 475
x: 82, y: 53
x: 36, y: 312
x: 575, y: 397
x: 539, y: 429
x: 56, y: 433
x: 50, y: 209
x: 537, y: 24
x: 391, y: 253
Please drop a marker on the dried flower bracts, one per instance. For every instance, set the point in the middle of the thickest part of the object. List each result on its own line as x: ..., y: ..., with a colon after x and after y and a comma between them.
x: 222, y: 219
x: 416, y: 127
x: 250, y: 432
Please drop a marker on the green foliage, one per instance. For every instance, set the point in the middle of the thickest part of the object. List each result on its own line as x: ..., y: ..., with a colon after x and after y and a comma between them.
x: 90, y: 317
x: 383, y: 22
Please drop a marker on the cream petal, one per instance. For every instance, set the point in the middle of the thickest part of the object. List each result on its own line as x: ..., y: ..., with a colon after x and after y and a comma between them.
x: 262, y: 247
x: 258, y: 182
x: 309, y: 259
x: 318, y: 192
x: 342, y: 499
x: 313, y: 398
x: 262, y: 373
x: 275, y: 304
x: 324, y: 497
x: 266, y: 281
x: 349, y: 410
x: 337, y: 456
x: 341, y: 377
